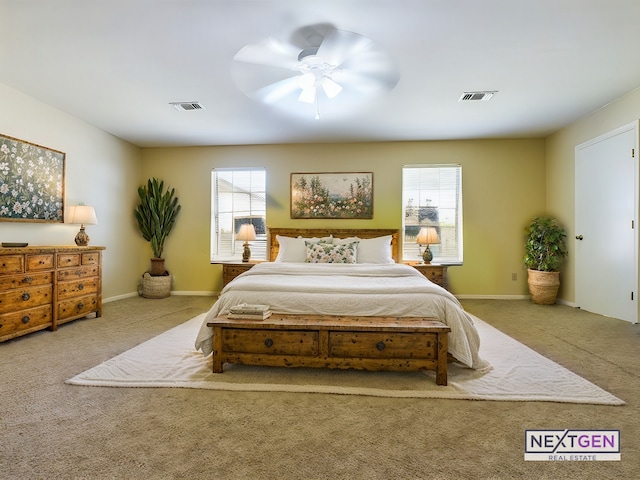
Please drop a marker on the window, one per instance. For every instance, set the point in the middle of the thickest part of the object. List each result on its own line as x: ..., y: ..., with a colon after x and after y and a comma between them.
x: 432, y: 196
x: 237, y: 196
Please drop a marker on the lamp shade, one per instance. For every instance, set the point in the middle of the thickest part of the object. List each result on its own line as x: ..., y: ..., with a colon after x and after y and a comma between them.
x: 246, y: 233
x: 428, y: 236
x: 83, y: 215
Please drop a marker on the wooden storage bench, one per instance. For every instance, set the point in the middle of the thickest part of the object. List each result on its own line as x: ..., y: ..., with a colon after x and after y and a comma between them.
x: 364, y: 343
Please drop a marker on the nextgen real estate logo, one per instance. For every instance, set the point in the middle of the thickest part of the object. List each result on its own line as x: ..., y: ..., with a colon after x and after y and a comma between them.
x: 572, y: 445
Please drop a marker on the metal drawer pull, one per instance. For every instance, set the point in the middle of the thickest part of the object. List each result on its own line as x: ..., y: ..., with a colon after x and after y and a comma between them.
x: 25, y: 319
x: 80, y: 286
x: 380, y: 346
x: 27, y: 280
x: 80, y: 306
x: 26, y: 296
x: 268, y: 342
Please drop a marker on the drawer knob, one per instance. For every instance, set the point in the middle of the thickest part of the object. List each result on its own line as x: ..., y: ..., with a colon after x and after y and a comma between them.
x: 25, y: 319
x: 27, y: 280
x: 268, y: 343
x: 80, y: 286
x: 80, y: 305
x: 380, y: 346
x: 26, y: 296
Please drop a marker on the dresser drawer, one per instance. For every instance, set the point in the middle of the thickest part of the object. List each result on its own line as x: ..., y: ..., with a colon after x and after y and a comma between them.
x: 383, y: 345
x: 11, y: 264
x: 68, y: 260
x: 25, y: 320
x: 40, y: 262
x: 21, y: 298
x: 77, y: 307
x: 90, y: 258
x: 10, y: 282
x: 73, y: 288
x: 273, y: 342
x: 79, y: 272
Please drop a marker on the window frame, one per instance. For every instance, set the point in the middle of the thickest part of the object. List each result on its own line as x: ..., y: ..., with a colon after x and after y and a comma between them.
x: 444, y: 212
x: 256, y: 213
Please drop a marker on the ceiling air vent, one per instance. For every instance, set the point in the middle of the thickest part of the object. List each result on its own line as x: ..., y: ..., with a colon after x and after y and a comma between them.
x: 185, y: 106
x: 476, y: 96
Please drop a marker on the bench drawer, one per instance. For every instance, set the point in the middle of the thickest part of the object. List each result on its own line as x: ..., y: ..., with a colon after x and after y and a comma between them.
x: 274, y: 342
x: 383, y: 345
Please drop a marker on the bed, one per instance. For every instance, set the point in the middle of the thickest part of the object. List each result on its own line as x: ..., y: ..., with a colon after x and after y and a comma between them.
x: 352, y: 272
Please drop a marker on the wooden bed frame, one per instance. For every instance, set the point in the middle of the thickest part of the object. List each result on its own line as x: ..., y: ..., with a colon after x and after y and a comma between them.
x: 360, y: 342
x: 273, y: 246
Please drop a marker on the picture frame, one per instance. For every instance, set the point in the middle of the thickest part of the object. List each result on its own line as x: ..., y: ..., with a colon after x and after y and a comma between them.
x: 31, y: 182
x: 335, y: 195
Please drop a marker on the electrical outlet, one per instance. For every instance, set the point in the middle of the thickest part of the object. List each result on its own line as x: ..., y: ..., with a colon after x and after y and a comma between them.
x: 514, y: 276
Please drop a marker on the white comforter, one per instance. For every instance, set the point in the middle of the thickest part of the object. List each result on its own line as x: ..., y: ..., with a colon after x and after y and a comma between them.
x: 341, y: 289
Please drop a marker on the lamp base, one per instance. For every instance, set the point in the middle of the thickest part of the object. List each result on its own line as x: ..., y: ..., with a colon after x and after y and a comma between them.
x: 82, y: 239
x: 427, y: 256
x: 246, y: 253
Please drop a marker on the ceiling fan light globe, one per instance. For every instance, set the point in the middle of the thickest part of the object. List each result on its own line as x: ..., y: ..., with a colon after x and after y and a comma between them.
x: 307, y: 80
x: 331, y: 88
x: 308, y: 95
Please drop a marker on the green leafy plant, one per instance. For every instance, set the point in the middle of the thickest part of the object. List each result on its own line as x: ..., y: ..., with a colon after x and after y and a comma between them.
x: 545, y: 247
x: 156, y: 214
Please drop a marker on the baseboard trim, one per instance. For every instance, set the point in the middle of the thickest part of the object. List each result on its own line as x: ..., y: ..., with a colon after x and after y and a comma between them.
x: 184, y: 293
x: 492, y: 297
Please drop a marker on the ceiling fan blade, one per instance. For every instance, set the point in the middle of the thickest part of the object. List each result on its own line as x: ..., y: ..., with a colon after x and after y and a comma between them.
x: 275, y: 92
x: 270, y: 52
x: 339, y: 45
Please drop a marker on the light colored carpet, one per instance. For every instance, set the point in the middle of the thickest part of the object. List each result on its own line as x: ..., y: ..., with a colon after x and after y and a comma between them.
x: 518, y: 374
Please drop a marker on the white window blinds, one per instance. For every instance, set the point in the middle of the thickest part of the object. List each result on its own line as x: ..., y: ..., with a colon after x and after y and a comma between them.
x: 237, y: 196
x: 432, y: 196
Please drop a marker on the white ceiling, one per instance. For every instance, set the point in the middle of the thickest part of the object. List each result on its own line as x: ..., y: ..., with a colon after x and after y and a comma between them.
x: 117, y: 64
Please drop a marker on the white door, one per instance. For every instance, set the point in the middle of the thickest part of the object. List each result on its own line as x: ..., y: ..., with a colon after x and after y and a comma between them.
x: 605, y: 244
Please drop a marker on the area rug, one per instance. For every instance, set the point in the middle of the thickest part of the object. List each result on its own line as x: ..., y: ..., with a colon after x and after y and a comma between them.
x: 517, y: 374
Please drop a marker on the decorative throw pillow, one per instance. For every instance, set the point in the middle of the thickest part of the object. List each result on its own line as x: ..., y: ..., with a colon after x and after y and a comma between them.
x: 329, y: 253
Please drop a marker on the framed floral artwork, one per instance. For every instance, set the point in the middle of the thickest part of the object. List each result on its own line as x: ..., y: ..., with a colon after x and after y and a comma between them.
x: 31, y: 182
x: 332, y: 195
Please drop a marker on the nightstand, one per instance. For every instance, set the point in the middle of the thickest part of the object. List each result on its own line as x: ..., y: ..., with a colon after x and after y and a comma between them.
x: 434, y: 272
x: 232, y: 270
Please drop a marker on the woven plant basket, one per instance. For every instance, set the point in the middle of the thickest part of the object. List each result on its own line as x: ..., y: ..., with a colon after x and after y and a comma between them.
x: 543, y: 286
x: 155, y: 287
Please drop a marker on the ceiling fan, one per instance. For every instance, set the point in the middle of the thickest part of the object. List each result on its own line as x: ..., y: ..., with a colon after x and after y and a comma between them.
x: 318, y: 66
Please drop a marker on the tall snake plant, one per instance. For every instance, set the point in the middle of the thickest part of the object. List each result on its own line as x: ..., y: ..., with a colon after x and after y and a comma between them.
x: 156, y: 214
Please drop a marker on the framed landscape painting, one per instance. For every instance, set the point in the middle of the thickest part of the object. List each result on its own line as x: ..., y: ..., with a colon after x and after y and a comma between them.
x: 332, y: 195
x: 31, y: 182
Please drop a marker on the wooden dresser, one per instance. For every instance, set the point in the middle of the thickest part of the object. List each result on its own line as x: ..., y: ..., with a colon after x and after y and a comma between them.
x: 45, y: 286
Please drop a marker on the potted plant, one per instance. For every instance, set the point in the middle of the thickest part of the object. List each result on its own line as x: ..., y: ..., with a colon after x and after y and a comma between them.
x: 156, y: 216
x: 545, y: 249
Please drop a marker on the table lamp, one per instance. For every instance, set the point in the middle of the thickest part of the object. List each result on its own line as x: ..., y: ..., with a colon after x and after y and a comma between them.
x: 83, y: 215
x: 247, y: 233
x: 427, y: 236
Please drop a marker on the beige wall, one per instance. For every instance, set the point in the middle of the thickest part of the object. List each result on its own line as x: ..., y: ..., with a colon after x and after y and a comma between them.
x: 503, y: 188
x: 505, y: 183
x: 101, y: 170
x: 560, y: 179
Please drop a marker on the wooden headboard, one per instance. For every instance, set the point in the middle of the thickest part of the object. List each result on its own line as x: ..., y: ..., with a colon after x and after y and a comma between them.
x: 273, y: 245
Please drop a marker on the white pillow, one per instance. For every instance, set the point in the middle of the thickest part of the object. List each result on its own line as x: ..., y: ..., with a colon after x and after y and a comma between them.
x: 375, y: 250
x: 294, y: 250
